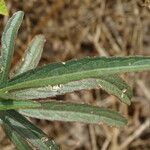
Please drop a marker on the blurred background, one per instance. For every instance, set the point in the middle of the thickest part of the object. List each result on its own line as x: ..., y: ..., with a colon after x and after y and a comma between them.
x: 79, y: 28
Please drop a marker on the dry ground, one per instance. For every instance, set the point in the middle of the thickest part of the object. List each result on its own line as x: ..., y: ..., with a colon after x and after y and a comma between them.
x: 80, y: 28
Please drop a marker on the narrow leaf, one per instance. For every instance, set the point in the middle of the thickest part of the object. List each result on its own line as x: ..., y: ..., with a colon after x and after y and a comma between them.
x: 8, y: 41
x: 27, y: 130
x: 58, y: 73
x: 113, y: 84
x: 17, y: 104
x: 3, y: 8
x: 16, y: 138
x: 32, y: 55
x: 64, y: 111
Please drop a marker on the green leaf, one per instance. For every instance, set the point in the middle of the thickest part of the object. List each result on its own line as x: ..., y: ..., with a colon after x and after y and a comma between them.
x: 64, y: 111
x: 73, y: 70
x: 27, y: 130
x: 17, y: 104
x: 3, y: 8
x: 113, y: 84
x: 32, y: 55
x: 8, y: 42
x: 16, y: 138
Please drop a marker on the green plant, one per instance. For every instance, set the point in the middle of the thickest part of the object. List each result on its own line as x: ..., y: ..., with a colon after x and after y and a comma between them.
x: 19, y: 93
x: 3, y: 8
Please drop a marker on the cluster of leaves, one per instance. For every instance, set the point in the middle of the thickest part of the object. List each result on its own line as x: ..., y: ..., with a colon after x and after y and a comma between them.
x: 20, y: 91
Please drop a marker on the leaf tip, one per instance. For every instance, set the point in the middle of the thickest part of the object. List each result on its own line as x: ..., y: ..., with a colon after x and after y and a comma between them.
x: 19, y: 13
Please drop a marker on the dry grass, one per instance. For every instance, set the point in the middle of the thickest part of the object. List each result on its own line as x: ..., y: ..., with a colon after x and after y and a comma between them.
x: 76, y: 29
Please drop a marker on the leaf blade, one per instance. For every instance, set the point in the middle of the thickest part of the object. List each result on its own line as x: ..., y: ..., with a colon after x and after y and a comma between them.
x: 31, y: 56
x: 16, y: 138
x: 58, y: 73
x: 116, y: 86
x: 112, y: 84
x: 27, y: 130
x: 64, y: 111
x: 6, y: 104
x: 8, y: 42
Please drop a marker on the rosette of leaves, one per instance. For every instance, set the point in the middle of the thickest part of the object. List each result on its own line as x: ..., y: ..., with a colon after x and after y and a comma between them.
x: 20, y: 90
